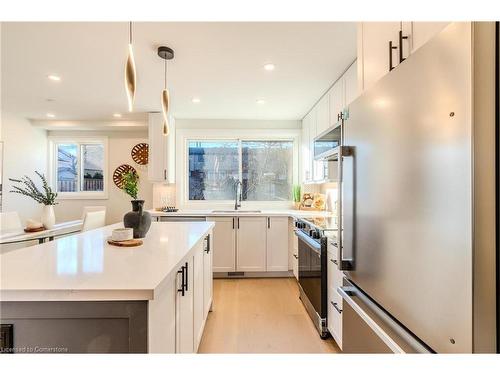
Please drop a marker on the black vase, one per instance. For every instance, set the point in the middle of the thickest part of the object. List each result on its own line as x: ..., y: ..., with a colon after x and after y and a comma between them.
x: 137, y: 219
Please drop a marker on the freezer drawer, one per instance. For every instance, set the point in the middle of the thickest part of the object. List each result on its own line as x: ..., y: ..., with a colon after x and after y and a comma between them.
x: 367, y: 328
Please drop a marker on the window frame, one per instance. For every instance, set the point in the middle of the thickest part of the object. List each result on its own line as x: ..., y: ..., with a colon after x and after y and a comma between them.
x: 54, y: 141
x: 184, y: 136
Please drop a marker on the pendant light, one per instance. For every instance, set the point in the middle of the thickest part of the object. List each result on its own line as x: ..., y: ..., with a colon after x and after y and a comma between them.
x: 130, y: 75
x: 165, y: 53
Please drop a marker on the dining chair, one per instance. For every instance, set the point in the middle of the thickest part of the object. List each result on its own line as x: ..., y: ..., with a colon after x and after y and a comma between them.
x: 10, y: 221
x: 94, y: 220
x: 92, y: 209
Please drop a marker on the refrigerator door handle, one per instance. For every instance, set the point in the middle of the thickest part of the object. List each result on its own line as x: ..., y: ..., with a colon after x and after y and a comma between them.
x: 347, y: 292
x: 344, y: 265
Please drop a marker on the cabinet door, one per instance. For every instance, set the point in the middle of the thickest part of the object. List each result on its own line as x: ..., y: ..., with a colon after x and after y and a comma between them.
x: 375, y: 37
x: 336, y: 100
x: 351, y: 91
x: 198, y: 295
x: 251, y: 240
x: 422, y: 32
x: 224, y: 244
x: 277, y: 244
x: 295, y: 264
x: 184, y: 311
x: 334, y: 320
x: 306, y: 150
x: 207, y: 277
x: 162, y: 317
x: 322, y: 115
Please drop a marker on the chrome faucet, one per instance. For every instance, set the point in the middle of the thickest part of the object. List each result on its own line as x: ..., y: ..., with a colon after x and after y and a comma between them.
x: 236, y: 204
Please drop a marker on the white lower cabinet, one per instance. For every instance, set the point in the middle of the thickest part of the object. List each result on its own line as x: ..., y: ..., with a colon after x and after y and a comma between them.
x: 251, y: 244
x: 198, y: 298
x: 180, y: 308
x: 335, y: 277
x: 224, y: 244
x: 277, y: 244
x: 184, y: 315
x: 208, y: 276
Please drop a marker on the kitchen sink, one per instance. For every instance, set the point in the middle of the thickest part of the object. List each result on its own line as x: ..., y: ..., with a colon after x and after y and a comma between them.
x: 236, y: 211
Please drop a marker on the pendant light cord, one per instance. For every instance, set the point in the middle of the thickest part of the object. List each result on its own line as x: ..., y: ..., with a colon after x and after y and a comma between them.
x: 165, y: 74
x: 130, y: 33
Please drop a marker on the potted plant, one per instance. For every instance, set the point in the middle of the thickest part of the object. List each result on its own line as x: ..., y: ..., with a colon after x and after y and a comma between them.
x: 137, y: 219
x: 297, y: 197
x: 45, y: 196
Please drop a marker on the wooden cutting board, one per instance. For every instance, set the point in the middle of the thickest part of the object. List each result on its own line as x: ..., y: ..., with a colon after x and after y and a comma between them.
x: 33, y: 230
x: 127, y: 243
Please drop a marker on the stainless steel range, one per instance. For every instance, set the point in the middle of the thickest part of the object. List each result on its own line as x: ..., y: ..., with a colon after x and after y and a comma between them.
x: 312, y: 240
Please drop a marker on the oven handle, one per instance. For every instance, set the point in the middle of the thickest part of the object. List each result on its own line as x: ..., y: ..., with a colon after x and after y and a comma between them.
x: 309, y: 241
x: 347, y: 292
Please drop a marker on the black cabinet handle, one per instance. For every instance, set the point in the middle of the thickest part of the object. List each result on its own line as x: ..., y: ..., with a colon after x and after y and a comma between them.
x: 295, y: 256
x: 401, y: 38
x: 391, y: 47
x: 187, y: 273
x: 336, y: 307
x: 269, y: 222
x: 233, y: 222
x: 207, y: 239
x: 164, y: 174
x: 238, y: 223
x: 181, y: 271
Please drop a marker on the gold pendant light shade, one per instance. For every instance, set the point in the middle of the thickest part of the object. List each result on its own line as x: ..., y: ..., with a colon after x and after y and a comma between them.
x: 166, y: 128
x: 130, y: 78
x: 165, y: 101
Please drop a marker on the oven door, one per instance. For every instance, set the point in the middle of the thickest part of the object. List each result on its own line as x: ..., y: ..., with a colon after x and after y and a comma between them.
x: 312, y: 275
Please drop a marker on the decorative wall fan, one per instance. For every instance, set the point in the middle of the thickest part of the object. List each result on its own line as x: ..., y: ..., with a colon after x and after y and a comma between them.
x: 140, y: 153
x: 118, y: 174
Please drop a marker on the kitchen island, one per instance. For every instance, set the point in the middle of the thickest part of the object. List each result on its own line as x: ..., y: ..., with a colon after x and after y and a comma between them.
x: 80, y: 294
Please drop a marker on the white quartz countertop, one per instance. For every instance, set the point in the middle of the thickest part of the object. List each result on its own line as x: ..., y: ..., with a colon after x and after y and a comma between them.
x: 241, y: 212
x: 85, y: 267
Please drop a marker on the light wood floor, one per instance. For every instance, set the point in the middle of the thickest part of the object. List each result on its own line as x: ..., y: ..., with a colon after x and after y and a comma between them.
x: 260, y: 316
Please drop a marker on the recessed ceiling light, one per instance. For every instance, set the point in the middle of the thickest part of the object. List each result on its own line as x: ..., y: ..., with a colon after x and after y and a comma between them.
x: 53, y: 77
x: 260, y: 101
x: 269, y: 67
x: 50, y: 115
x: 195, y: 100
x: 117, y: 115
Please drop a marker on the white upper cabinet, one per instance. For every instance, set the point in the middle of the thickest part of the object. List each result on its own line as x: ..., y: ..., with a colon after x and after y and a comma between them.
x: 306, y: 150
x: 373, y: 50
x: 421, y: 32
x: 161, y: 160
x: 322, y: 115
x: 351, y: 90
x: 336, y: 101
x: 382, y: 46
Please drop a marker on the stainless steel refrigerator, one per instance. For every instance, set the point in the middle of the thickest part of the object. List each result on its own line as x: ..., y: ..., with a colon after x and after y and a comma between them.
x: 418, y: 202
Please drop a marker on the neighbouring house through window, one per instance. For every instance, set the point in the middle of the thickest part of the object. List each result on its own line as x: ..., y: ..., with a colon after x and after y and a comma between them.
x: 79, y: 166
x: 265, y: 169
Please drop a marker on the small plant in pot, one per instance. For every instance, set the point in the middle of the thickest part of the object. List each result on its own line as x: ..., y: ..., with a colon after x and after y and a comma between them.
x: 297, y: 196
x: 46, y: 196
x: 137, y: 219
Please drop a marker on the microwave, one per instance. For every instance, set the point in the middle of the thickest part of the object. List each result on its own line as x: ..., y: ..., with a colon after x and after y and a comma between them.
x: 325, y: 145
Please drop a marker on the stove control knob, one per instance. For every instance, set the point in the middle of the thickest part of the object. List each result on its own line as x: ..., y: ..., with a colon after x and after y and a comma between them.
x: 316, y: 234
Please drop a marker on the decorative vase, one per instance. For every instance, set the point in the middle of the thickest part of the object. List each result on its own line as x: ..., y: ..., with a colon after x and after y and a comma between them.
x: 137, y: 219
x: 48, y: 217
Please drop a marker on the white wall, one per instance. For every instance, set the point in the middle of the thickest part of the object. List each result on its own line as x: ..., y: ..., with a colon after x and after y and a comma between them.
x: 118, y: 203
x: 25, y: 151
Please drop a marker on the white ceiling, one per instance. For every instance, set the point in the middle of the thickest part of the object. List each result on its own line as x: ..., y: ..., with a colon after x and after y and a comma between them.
x: 220, y: 63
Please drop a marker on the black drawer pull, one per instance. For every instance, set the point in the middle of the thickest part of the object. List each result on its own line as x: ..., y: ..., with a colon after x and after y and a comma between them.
x: 334, y: 304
